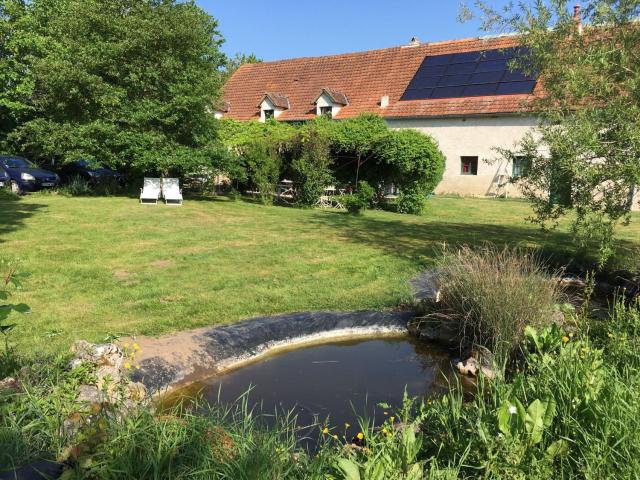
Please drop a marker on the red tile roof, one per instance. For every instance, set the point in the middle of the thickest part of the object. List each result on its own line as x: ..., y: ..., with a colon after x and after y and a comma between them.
x: 364, y: 78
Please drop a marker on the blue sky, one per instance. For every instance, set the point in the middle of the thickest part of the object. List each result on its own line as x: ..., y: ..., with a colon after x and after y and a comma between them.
x: 275, y: 29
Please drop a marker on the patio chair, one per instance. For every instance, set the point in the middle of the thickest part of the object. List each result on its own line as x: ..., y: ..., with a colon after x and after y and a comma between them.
x: 171, y: 191
x: 150, y: 191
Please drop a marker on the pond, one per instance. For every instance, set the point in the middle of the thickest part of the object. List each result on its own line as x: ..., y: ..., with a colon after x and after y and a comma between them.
x: 337, y: 382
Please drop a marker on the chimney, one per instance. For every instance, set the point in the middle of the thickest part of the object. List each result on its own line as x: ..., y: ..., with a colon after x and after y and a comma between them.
x: 414, y: 42
x: 577, y: 17
x: 384, y: 101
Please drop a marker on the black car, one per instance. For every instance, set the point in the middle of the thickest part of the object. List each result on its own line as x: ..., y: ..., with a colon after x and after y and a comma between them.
x: 91, y: 172
x: 4, y: 179
x: 24, y: 176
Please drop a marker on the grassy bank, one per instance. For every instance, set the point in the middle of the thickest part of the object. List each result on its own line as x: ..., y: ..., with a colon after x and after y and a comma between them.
x: 110, y: 266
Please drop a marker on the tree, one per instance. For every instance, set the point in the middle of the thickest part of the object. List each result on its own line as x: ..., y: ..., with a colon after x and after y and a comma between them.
x: 584, y: 155
x: 16, y: 83
x: 127, y: 83
x: 354, y: 138
x: 234, y: 63
x: 311, y: 165
x: 413, y: 162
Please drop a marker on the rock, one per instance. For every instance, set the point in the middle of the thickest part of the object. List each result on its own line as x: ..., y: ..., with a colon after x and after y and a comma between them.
x: 571, y: 282
x: 425, y: 287
x: 72, y: 425
x: 558, y: 318
x: 137, y: 391
x: 10, y: 384
x: 89, y: 394
x: 108, y: 375
x: 435, y: 329
x: 469, y: 367
x: 480, y: 361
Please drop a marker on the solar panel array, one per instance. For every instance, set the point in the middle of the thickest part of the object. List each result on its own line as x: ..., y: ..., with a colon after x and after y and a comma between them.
x: 469, y: 74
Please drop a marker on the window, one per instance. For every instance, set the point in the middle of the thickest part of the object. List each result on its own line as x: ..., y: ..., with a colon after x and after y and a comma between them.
x: 269, y: 114
x: 326, y: 111
x: 520, y: 167
x: 469, y: 165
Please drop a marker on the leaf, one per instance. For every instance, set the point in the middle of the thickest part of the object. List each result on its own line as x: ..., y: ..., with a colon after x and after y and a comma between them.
x: 559, y: 448
x: 534, y: 422
x: 415, y: 472
x: 504, y: 418
x: 348, y: 468
x: 22, y: 308
x: 7, y: 328
x: 384, y: 405
x: 550, y: 411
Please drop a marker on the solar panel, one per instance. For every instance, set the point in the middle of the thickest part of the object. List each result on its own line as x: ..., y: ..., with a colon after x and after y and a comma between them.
x: 469, y: 74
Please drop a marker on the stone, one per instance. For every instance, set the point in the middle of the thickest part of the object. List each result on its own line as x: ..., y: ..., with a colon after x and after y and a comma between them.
x: 469, y: 367
x: 10, y: 384
x: 435, y: 329
x: 137, y: 391
x: 89, y: 394
x: 425, y: 287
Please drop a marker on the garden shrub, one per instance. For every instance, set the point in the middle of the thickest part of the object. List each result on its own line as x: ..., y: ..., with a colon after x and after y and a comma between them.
x: 414, y: 161
x: 311, y: 166
x: 263, y: 168
x: 495, y: 294
x: 361, y: 200
x: 410, y: 202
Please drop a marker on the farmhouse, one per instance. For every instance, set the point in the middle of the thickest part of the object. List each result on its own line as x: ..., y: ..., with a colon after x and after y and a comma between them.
x: 462, y: 92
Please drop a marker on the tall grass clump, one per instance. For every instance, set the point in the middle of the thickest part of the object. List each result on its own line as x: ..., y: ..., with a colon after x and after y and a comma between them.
x: 494, y: 294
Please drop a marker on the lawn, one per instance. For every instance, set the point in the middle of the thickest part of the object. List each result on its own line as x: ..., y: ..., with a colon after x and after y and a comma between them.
x: 107, y: 265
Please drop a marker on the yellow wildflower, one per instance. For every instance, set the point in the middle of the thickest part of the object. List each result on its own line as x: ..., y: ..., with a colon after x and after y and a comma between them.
x: 136, y: 346
x: 335, y: 437
x: 126, y: 345
x: 610, y: 335
x: 127, y: 365
x: 325, y: 430
x: 565, y: 339
x: 570, y: 334
x: 385, y: 431
x: 346, y: 425
x: 137, y: 367
x: 393, y: 419
x: 360, y: 436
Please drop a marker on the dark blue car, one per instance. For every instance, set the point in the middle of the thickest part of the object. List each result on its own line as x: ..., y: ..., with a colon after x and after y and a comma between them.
x: 93, y: 173
x: 24, y: 176
x: 4, y: 178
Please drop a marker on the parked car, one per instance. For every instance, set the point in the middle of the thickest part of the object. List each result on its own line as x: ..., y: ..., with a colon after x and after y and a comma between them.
x: 24, y: 176
x: 4, y: 179
x: 91, y: 172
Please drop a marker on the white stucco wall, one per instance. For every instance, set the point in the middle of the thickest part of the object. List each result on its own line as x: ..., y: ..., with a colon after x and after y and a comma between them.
x: 267, y: 105
x: 475, y: 136
x: 325, y: 101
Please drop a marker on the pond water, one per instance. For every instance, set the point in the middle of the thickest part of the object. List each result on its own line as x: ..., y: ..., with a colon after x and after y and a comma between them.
x: 336, y: 382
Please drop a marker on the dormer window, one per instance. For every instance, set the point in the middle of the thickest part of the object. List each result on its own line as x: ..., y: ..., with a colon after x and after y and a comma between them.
x: 272, y: 105
x: 330, y: 102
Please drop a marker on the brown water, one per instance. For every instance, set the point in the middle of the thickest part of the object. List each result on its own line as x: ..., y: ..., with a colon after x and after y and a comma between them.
x: 337, y: 382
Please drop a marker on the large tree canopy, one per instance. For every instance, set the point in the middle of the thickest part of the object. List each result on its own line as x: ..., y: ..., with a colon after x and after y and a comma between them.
x: 585, y: 155
x: 129, y: 83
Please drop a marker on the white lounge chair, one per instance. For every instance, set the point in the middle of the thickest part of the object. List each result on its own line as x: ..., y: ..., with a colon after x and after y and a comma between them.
x: 171, y: 191
x: 150, y: 191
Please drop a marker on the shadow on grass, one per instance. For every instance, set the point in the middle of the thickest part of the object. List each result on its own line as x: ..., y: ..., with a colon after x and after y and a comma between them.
x: 423, y: 241
x: 14, y: 212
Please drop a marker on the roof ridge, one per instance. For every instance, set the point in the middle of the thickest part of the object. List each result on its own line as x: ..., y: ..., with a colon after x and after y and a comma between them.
x: 386, y: 49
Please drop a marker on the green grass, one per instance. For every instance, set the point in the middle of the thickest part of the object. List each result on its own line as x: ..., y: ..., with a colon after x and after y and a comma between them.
x: 106, y: 265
